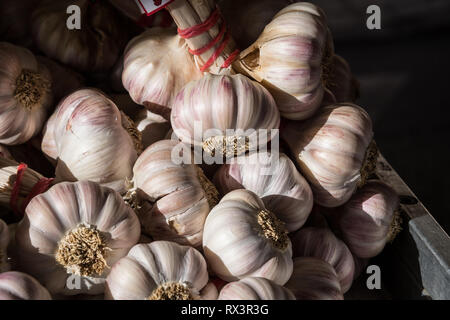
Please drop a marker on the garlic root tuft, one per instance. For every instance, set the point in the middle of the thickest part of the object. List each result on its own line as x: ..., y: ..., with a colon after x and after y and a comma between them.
x: 396, y: 225
x: 273, y: 229
x: 171, y: 291
x: 134, y: 133
x: 31, y: 87
x: 228, y: 146
x: 369, y: 163
x: 211, y: 193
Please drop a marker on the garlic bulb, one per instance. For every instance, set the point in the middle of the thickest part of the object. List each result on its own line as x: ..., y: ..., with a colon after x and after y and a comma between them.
x: 93, y: 48
x: 20, y: 286
x: 291, y: 58
x: 360, y: 266
x: 64, y: 80
x: 322, y: 243
x: 160, y: 270
x: 314, y: 279
x: 72, y: 234
x: 274, y: 178
x: 241, y: 238
x: 209, y: 292
x: 91, y: 140
x: 247, y: 19
x: 25, y: 87
x: 368, y: 220
x: 317, y: 219
x: 341, y: 81
x: 255, y: 289
x: 334, y: 150
x: 156, y: 65
x: 4, y: 241
x: 181, y: 194
x: 19, y: 184
x: 206, y: 110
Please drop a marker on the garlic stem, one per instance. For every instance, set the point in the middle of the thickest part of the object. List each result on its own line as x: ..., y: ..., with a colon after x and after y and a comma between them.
x: 171, y: 291
x: 273, y: 229
x: 31, y: 87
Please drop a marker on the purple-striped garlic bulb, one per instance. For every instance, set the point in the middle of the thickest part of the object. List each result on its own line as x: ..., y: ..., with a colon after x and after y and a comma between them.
x: 156, y: 65
x: 93, y: 48
x: 91, y: 140
x: 323, y: 244
x: 4, y: 242
x: 182, y: 196
x: 334, y: 150
x: 25, y: 88
x: 341, y: 81
x: 369, y: 219
x: 274, y: 178
x: 224, y: 114
x: 242, y: 238
x: 253, y: 288
x: 160, y: 270
x: 291, y: 58
x: 314, y: 279
x: 20, y: 286
x: 72, y: 234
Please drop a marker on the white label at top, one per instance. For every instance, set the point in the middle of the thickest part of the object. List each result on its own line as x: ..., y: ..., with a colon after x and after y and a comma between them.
x: 150, y: 7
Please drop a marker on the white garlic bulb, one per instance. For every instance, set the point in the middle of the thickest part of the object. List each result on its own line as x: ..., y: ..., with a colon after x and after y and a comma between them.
x: 25, y: 87
x: 323, y: 244
x: 160, y: 270
x: 20, y: 286
x: 275, y: 179
x: 72, y: 234
x: 255, y: 289
x: 290, y: 59
x: 91, y: 140
x: 93, y: 48
x: 241, y: 238
x: 156, y: 65
x: 222, y: 103
x: 341, y: 81
x: 4, y: 241
x: 314, y: 279
x: 181, y: 194
x: 334, y: 150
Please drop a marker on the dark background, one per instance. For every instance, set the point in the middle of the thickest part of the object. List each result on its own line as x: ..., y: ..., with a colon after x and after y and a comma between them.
x: 404, y: 71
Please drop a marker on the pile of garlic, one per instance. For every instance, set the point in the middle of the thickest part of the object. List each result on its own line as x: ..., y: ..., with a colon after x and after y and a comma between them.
x: 143, y: 203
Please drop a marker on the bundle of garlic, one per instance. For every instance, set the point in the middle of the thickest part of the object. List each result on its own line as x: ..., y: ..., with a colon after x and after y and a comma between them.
x: 26, y: 94
x: 93, y: 46
x: 334, y: 150
x: 226, y: 115
x: 181, y: 194
x: 341, y: 81
x: 314, y: 279
x: 241, y: 238
x: 369, y: 219
x: 4, y: 242
x: 72, y: 234
x: 19, y: 184
x: 91, y: 140
x: 274, y: 178
x: 20, y: 286
x: 15, y: 24
x: 322, y: 243
x: 161, y: 270
x: 255, y: 289
x: 156, y: 65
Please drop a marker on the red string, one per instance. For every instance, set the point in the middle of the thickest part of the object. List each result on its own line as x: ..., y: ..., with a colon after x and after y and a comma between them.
x: 40, y: 187
x: 211, y: 44
x: 216, y: 54
x: 230, y: 59
x: 200, y: 28
x: 16, y: 187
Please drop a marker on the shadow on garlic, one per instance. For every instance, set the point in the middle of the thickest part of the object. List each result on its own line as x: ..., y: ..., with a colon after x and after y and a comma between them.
x: 160, y: 270
x: 72, y: 234
x: 20, y: 286
x: 341, y: 82
x: 275, y: 179
x: 241, y: 238
x: 4, y: 242
x: 255, y: 289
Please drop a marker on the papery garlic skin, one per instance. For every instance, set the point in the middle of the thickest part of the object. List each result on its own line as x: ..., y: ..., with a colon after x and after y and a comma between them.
x: 331, y: 151
x: 87, y: 136
x: 25, y: 88
x: 147, y: 268
x: 93, y: 48
x: 52, y: 216
x: 365, y: 221
x: 20, y: 286
x: 181, y: 194
x: 4, y: 242
x: 255, y: 289
x: 290, y: 57
x: 156, y: 65
x: 221, y: 103
x: 314, y: 279
x: 274, y: 178
x: 341, y: 81
x: 323, y: 244
x: 237, y: 244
